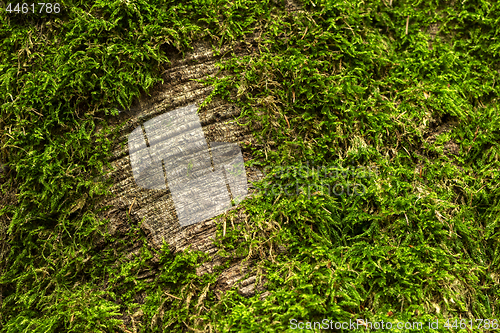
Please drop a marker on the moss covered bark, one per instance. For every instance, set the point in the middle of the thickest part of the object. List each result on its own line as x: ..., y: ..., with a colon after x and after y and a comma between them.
x: 398, y: 98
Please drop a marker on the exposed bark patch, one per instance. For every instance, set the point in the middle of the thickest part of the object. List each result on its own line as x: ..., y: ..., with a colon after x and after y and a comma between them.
x: 154, y: 209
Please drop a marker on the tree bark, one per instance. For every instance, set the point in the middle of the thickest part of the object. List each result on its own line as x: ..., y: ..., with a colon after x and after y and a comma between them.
x: 155, y: 208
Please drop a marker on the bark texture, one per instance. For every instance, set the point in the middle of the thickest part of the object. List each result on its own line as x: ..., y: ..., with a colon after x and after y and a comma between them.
x: 155, y: 208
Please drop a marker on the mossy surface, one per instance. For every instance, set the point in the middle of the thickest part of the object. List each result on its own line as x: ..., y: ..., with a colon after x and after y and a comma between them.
x: 338, y: 86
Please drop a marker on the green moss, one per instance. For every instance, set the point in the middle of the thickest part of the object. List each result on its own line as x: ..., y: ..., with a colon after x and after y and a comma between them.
x: 343, y: 82
x: 339, y: 83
